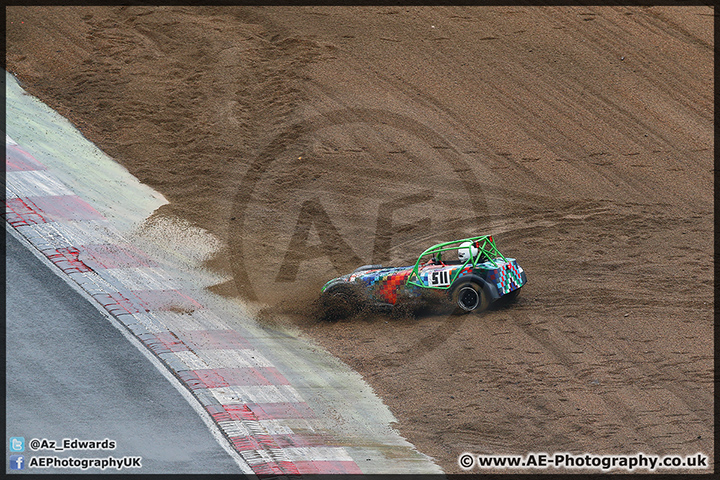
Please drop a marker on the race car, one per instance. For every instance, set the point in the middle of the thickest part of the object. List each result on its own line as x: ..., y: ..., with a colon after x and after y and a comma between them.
x: 469, y: 274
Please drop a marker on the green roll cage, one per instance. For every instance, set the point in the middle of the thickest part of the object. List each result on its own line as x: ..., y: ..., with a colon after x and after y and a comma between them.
x: 486, y: 248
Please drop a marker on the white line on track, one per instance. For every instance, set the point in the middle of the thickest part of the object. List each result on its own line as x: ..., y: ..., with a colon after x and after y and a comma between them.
x: 203, y: 359
x: 239, y: 395
x: 34, y: 183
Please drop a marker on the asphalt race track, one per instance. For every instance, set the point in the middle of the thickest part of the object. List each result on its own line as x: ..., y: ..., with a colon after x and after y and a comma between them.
x: 71, y: 374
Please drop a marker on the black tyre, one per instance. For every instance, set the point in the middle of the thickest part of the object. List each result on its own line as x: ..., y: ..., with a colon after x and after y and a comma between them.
x: 338, y: 303
x: 470, y: 297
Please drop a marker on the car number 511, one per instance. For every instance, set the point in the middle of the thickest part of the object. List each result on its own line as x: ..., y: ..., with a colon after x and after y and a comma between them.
x: 439, y: 278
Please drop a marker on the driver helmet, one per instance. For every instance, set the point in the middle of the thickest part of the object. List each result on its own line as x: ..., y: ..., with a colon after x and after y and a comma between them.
x: 466, y: 251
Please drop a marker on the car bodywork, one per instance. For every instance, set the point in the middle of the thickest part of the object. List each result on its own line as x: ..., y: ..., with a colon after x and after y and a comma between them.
x: 435, y: 276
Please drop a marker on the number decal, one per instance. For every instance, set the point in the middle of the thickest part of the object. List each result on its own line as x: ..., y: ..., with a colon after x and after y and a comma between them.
x: 439, y: 278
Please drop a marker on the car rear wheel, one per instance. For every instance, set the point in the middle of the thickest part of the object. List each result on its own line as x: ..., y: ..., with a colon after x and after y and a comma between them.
x: 470, y: 297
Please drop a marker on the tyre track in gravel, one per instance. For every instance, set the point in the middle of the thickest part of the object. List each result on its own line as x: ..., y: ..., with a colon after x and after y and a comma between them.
x: 694, y: 404
x: 609, y: 36
x: 564, y: 95
x: 457, y: 129
x: 658, y: 371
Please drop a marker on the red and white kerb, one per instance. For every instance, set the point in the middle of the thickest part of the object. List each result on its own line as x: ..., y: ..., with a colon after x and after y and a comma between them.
x: 263, y: 416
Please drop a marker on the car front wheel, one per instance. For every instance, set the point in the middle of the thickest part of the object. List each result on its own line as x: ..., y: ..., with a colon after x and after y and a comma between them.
x: 338, y: 302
